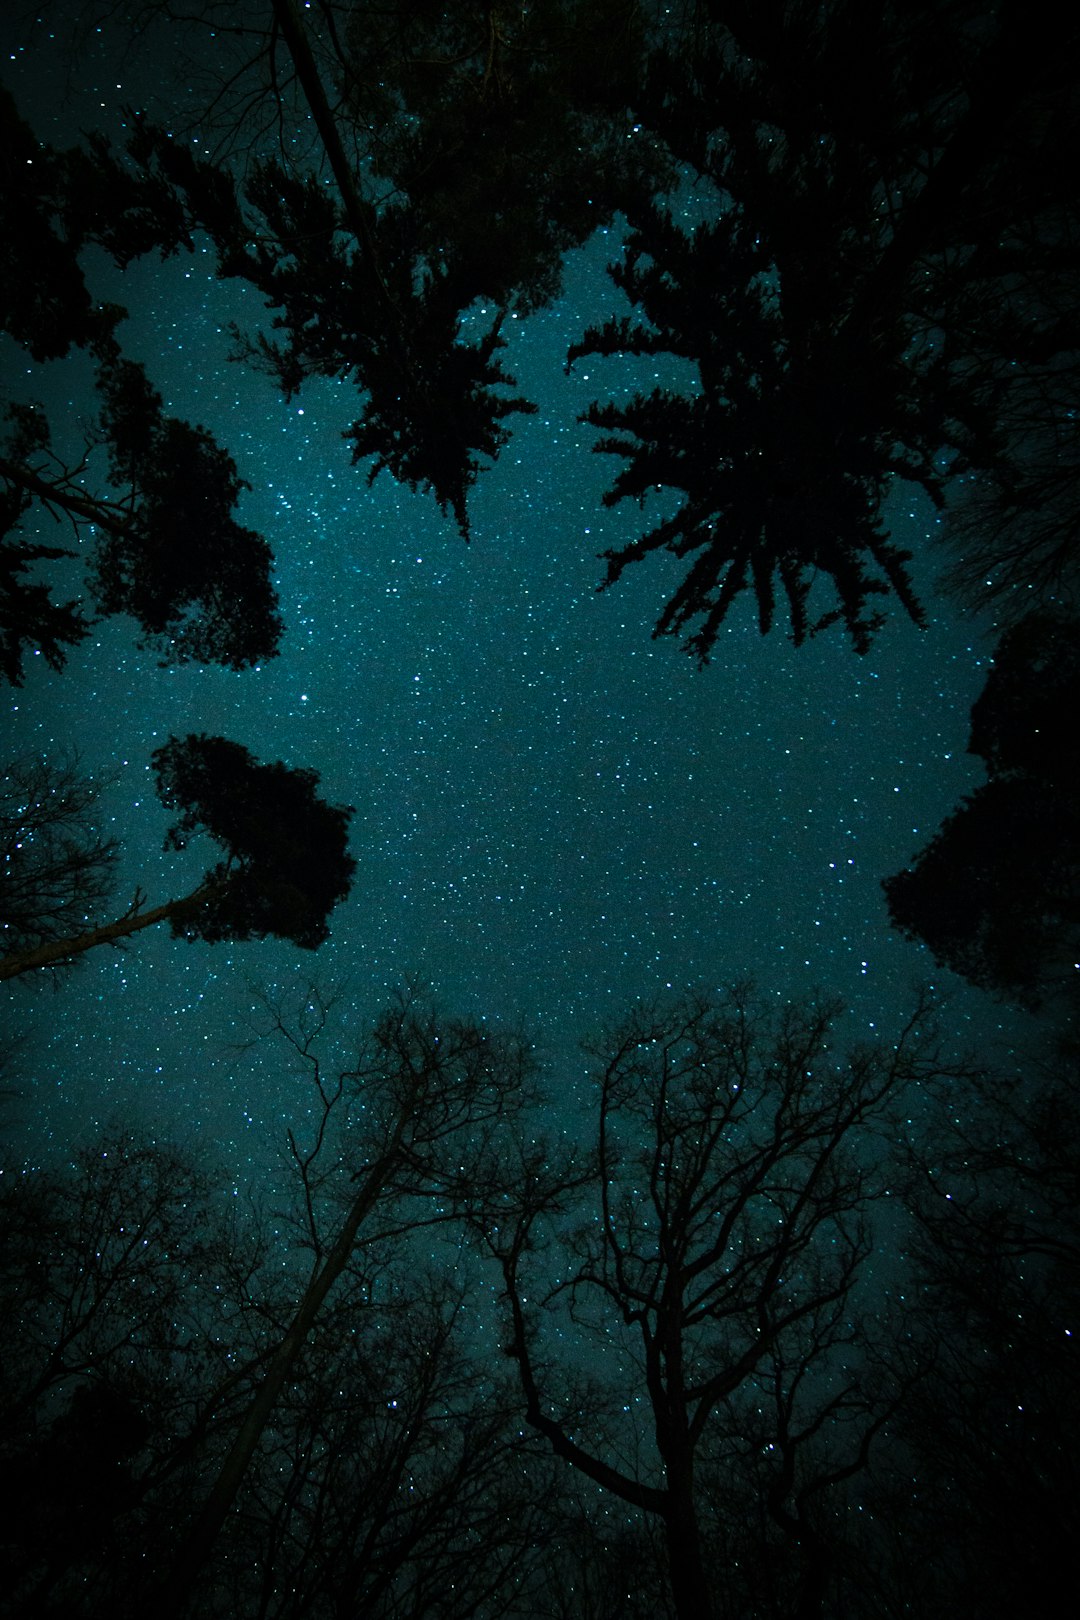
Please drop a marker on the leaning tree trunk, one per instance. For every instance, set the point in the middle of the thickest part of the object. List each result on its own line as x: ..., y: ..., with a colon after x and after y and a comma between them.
x: 198, y: 1545
x: 57, y: 951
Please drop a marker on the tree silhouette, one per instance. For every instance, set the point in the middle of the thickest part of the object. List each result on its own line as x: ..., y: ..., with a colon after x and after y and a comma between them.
x: 286, y: 863
x: 113, y: 1273
x: 995, y: 893
x: 1022, y: 722
x: 830, y: 270
x: 708, y: 1254
x: 1012, y: 531
x: 509, y: 134
x: 425, y: 1092
x: 353, y: 301
x: 56, y: 203
x: 394, y: 1478
x: 865, y: 299
x: 784, y: 454
x: 57, y: 866
x: 142, y: 1314
x: 468, y: 150
x: 29, y: 618
x: 991, y: 1432
x: 167, y: 548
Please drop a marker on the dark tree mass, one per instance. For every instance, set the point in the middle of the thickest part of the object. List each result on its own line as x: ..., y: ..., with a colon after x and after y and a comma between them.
x: 167, y: 549
x: 286, y: 865
x: 819, y: 306
x: 286, y: 861
x: 996, y: 894
x: 655, y: 1282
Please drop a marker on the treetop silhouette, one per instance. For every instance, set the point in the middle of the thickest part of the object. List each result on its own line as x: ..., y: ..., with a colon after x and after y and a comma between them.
x: 995, y: 894
x: 166, y: 547
x: 286, y: 864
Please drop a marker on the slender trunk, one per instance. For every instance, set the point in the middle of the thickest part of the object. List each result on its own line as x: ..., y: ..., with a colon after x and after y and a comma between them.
x: 196, y: 1549
x: 357, y: 212
x: 61, y: 950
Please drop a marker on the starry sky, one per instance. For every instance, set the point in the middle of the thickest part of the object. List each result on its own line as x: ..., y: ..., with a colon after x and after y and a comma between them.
x: 554, y: 813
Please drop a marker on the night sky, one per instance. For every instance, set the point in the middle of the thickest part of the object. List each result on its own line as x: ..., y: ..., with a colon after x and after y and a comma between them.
x: 554, y: 813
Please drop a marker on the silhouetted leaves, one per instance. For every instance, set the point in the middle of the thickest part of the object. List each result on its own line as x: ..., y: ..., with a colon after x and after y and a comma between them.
x: 44, y: 300
x: 168, y: 550
x: 508, y: 135
x: 52, y: 205
x: 30, y: 621
x: 286, y: 862
x: 996, y: 893
x: 176, y: 560
x: 493, y: 144
x: 784, y: 453
x: 364, y: 307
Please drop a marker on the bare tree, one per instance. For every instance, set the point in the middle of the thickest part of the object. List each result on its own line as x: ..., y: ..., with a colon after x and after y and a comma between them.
x: 425, y: 1093
x: 125, y: 1338
x: 722, y: 1228
x: 395, y: 1478
x: 57, y: 867
x: 992, y: 1436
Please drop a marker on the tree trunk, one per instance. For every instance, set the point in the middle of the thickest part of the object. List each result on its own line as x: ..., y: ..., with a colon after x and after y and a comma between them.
x: 689, y: 1586
x: 57, y: 951
x: 357, y: 211
x: 197, y: 1547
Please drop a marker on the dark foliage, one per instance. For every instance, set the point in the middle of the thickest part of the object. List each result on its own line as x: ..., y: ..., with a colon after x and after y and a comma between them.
x: 991, y: 1434
x: 286, y: 862
x: 30, y: 620
x: 996, y: 893
x: 1024, y: 720
x: 198, y: 584
x: 118, y: 1273
x: 508, y: 135
x: 783, y: 455
x: 470, y: 151
x: 838, y: 300
x: 52, y: 205
x: 168, y: 550
x: 360, y: 306
x: 44, y: 300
